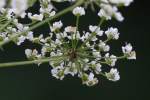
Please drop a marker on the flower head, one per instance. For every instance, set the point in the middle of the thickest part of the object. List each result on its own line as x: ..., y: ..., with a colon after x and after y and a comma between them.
x: 79, y: 11
x: 127, y: 50
x: 113, y: 75
x: 112, y: 33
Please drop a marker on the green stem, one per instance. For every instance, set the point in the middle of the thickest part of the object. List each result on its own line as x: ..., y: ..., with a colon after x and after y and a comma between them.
x: 44, y: 60
x: 6, y: 24
x: 122, y: 57
x: 77, y: 23
x: 101, y: 73
x: 77, y: 28
x: 79, y: 2
x: 11, y: 64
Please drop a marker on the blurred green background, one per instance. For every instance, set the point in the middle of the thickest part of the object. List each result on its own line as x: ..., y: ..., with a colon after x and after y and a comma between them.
x: 36, y: 83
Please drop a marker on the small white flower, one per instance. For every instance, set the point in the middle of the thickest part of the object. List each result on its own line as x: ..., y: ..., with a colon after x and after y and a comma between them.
x: 86, y: 60
x: 96, y: 29
x: 48, y: 10
x: 123, y: 2
x: 119, y: 16
x: 127, y: 50
x: 56, y: 25
x: 103, y: 14
x: 52, y: 54
x: 21, y: 39
x: 112, y: 33
x: 96, y: 54
x: 3, y: 36
x: 30, y: 36
x: 20, y: 26
x: 91, y: 80
x: 93, y: 62
x: 58, y: 72
x: 33, y: 55
x: 2, y: 4
x: 98, y: 68
x: 108, y: 11
x: 87, y: 34
x: 78, y: 35
x: 58, y: 42
x: 79, y: 11
x: 70, y: 29
x: 19, y: 6
x: 34, y: 52
x: 36, y: 16
x: 94, y: 38
x: 28, y: 53
x: 43, y: 50
x: 110, y: 60
x: 71, y: 70
x: 113, y: 75
x: 103, y: 47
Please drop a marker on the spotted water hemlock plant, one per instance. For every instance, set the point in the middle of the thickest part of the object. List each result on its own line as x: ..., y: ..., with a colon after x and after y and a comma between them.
x: 68, y: 49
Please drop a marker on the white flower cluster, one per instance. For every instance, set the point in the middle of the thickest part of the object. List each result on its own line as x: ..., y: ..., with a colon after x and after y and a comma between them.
x: 46, y: 10
x: 18, y: 8
x: 81, y: 55
x: 109, y: 9
x: 69, y: 50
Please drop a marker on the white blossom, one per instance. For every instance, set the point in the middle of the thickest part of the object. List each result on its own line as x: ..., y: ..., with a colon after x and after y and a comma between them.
x: 70, y: 29
x: 79, y: 11
x: 56, y: 25
x: 90, y: 80
x: 127, y: 50
x: 19, y: 6
x: 113, y: 75
x: 36, y: 16
x: 112, y: 33
x: 2, y: 4
x: 30, y: 36
x: 108, y: 11
x: 32, y: 54
x: 103, y: 47
x: 96, y: 29
x: 123, y: 2
x: 28, y: 53
x: 71, y: 70
x: 110, y: 60
x: 58, y: 72
x: 21, y: 39
x: 47, y: 10
x: 98, y: 68
x: 96, y: 54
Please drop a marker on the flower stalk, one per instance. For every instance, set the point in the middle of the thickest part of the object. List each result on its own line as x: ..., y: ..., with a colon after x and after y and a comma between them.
x: 38, y: 61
